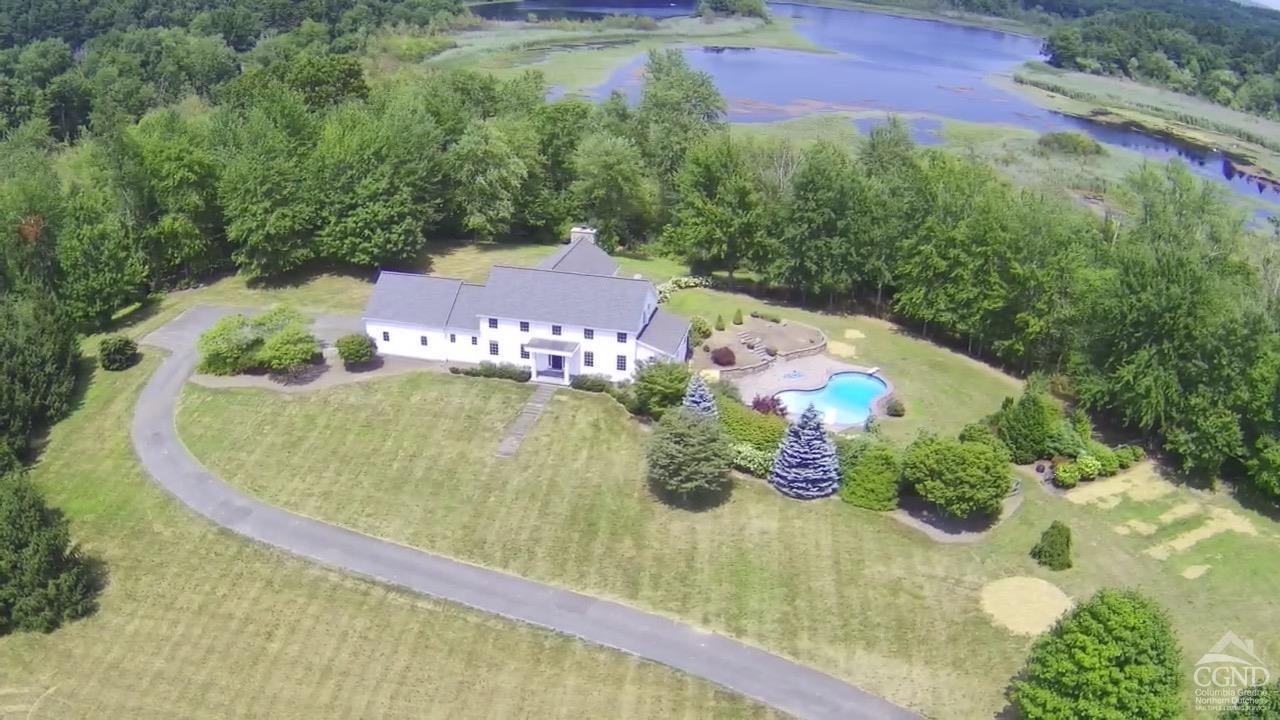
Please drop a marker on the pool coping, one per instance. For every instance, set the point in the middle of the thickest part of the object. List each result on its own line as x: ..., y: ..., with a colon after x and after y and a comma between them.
x: 878, y: 406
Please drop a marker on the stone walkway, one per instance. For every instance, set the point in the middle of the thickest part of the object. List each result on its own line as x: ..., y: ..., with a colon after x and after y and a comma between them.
x: 529, y: 415
x: 775, y: 681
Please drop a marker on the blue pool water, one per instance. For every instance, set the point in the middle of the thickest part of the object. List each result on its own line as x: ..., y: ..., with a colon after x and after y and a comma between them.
x: 846, y: 399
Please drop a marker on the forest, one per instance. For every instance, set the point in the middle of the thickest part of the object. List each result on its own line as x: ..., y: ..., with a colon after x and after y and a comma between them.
x: 1227, y: 52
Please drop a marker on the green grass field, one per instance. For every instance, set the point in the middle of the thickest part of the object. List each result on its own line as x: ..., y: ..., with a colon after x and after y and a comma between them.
x: 198, y: 623
x: 411, y: 458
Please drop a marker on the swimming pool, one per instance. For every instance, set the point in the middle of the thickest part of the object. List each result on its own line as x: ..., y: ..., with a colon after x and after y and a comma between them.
x: 846, y: 399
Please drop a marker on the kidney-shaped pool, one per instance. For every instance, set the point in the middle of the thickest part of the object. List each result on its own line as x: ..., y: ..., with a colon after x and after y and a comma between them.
x: 846, y: 399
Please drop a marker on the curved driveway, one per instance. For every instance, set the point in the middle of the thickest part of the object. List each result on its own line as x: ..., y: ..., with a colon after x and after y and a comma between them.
x: 767, y: 678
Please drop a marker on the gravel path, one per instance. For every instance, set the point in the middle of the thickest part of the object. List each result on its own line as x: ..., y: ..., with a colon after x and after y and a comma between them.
x: 767, y: 678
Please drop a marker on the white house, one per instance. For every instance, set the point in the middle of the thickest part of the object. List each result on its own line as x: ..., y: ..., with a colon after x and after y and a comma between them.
x: 571, y: 315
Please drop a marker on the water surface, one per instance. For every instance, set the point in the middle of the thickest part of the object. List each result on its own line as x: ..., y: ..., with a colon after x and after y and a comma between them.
x: 881, y: 63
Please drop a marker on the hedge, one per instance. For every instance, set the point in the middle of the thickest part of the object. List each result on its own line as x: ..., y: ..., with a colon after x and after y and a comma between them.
x: 505, y: 371
x: 751, y: 460
x: 590, y: 383
x: 744, y: 425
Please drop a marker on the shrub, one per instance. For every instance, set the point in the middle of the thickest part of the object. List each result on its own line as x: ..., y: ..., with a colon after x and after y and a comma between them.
x: 1064, y: 440
x: 590, y: 383
x: 982, y: 433
x: 1054, y: 549
x: 1066, y: 475
x: 699, y: 329
x: 288, y: 350
x: 873, y: 479
x: 767, y: 316
x: 1089, y: 467
x: 744, y: 425
x: 1025, y: 425
x: 277, y: 319
x: 960, y: 478
x: 503, y: 371
x: 771, y: 350
x: 45, y: 582
x: 894, y: 407
x: 719, y: 322
x: 724, y: 388
x: 1129, y: 455
x: 751, y: 460
x: 806, y: 467
x: 737, y: 316
x: 768, y: 405
x: 683, y: 282
x: 1108, y: 462
x: 698, y: 399
x: 626, y: 397
x: 356, y: 349
x: 117, y: 352
x: 706, y: 348
x: 660, y: 385
x: 229, y: 347
x: 723, y: 356
x: 688, y: 456
x: 1113, y: 656
x: 1070, y: 143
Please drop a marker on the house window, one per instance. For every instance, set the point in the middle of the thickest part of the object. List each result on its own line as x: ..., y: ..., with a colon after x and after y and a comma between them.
x: 622, y: 362
x: 622, y: 337
x: 524, y: 354
x: 588, y: 334
x: 493, y: 323
x: 555, y: 329
x: 524, y: 326
x: 453, y: 338
x: 422, y: 340
x: 473, y: 340
x: 493, y: 348
x: 386, y: 336
x: 588, y: 359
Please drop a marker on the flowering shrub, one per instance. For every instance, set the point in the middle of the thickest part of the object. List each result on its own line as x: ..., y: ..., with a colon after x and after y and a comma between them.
x: 683, y: 282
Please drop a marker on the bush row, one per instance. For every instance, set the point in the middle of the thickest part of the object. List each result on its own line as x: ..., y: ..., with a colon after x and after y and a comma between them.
x: 276, y: 340
x: 505, y: 371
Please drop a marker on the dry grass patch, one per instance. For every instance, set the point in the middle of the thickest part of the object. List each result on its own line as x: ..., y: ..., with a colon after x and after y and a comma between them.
x: 1192, y: 572
x: 1180, y: 511
x: 1220, y: 520
x: 1024, y: 605
x: 1140, y: 484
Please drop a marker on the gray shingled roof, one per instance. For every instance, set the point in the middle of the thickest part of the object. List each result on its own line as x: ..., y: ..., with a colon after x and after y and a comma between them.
x: 412, y: 298
x: 581, y: 256
x: 594, y: 301
x: 665, y: 332
x: 467, y: 307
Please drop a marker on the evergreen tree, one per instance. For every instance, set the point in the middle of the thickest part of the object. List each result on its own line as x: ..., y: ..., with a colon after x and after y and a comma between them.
x: 43, y: 580
x: 806, y: 466
x: 698, y: 399
x: 688, y: 457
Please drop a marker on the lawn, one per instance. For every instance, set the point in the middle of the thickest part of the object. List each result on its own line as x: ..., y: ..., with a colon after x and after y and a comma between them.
x: 850, y: 591
x: 198, y: 623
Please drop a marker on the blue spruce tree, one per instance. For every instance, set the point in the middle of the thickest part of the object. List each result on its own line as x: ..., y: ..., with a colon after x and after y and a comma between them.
x: 698, y: 398
x: 806, y: 467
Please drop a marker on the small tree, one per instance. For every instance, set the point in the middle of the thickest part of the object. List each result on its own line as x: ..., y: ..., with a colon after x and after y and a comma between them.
x: 117, y: 352
x: 698, y: 398
x: 688, y: 456
x: 356, y: 349
x: 699, y: 329
x: 229, y: 347
x: 1026, y: 425
x: 1114, y: 656
x: 737, y: 316
x: 43, y: 580
x: 1054, y: 549
x: 960, y: 478
x: 660, y: 385
x: 872, y: 480
x: 289, y: 350
x: 719, y: 322
x: 806, y: 467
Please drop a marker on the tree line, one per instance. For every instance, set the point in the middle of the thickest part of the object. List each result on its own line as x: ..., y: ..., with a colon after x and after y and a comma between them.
x: 1227, y: 52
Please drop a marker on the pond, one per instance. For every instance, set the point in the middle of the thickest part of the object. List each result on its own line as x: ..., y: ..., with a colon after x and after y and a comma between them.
x: 882, y: 63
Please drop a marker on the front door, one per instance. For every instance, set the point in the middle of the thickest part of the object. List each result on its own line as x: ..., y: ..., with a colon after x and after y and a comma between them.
x: 557, y: 362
